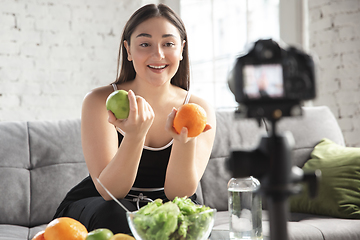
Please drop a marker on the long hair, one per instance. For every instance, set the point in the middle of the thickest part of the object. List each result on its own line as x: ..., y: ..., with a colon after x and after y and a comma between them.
x: 126, y: 71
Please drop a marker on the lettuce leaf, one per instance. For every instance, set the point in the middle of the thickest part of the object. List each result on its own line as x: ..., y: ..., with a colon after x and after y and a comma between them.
x: 173, y: 220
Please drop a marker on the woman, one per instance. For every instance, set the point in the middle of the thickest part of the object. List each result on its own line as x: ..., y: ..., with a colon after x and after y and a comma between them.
x: 142, y: 157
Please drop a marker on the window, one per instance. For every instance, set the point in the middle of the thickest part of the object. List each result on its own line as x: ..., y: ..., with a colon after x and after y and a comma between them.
x: 218, y: 31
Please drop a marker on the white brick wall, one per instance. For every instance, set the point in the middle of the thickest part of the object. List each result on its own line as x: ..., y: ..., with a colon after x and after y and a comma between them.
x: 53, y: 52
x: 334, y: 34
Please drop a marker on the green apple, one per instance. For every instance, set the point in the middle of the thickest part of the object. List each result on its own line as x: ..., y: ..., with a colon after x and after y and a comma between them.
x: 118, y: 103
x: 99, y: 234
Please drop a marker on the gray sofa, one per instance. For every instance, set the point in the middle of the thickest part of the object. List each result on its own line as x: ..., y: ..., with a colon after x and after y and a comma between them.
x: 41, y: 160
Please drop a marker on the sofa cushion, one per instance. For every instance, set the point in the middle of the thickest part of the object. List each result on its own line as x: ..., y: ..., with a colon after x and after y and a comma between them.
x: 315, y: 124
x: 335, y: 228
x: 339, y: 188
x: 14, y: 196
x: 15, y: 177
x: 231, y: 134
x: 57, y: 165
x: 214, y: 184
x: 13, y: 232
x: 40, y: 162
x: 296, y: 230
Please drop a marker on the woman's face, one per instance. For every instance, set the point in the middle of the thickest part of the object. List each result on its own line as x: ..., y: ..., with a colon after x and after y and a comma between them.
x: 155, y: 50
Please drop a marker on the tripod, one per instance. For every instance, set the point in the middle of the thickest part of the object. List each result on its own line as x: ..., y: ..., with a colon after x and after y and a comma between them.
x: 271, y: 164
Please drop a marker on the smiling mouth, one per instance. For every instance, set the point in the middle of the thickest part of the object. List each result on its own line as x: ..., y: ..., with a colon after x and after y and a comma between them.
x: 157, y: 67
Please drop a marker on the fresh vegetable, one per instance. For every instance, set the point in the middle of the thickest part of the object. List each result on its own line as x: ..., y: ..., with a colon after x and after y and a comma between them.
x: 177, y: 219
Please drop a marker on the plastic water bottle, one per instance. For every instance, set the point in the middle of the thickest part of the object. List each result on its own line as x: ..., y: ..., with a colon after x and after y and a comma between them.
x: 245, y: 208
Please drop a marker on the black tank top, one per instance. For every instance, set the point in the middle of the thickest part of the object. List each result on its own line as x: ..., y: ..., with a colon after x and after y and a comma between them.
x: 151, y: 174
x: 152, y: 168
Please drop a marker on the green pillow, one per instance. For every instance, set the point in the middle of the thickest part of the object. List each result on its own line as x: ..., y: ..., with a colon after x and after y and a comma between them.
x: 339, y: 188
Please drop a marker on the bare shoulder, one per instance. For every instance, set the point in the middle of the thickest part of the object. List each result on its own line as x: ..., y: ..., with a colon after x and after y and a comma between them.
x: 99, y: 93
x: 210, y: 111
x: 202, y: 102
x: 95, y: 102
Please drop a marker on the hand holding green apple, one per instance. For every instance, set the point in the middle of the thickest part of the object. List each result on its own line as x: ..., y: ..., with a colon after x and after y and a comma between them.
x: 118, y: 103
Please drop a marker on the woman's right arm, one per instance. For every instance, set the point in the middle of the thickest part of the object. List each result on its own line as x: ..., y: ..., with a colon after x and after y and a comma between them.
x: 116, y: 167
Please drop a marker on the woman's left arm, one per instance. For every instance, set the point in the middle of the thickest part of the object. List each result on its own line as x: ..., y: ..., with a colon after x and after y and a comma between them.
x: 189, y: 156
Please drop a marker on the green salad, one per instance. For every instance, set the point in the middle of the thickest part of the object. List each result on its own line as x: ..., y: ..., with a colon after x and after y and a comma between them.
x: 173, y: 220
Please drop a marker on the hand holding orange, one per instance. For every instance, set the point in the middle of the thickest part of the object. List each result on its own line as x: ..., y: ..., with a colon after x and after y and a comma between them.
x: 193, y: 117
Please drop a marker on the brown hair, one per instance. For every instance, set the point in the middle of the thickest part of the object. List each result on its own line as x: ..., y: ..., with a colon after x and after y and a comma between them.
x: 127, y: 72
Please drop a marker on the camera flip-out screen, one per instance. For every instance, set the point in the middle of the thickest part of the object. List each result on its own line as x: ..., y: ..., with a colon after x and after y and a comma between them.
x: 263, y: 81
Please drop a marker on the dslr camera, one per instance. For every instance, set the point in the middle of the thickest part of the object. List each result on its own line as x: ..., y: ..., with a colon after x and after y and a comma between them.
x: 271, y: 81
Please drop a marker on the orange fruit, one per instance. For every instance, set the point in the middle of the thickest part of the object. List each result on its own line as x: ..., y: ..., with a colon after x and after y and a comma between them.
x: 122, y: 236
x: 39, y: 236
x: 193, y: 117
x: 65, y: 228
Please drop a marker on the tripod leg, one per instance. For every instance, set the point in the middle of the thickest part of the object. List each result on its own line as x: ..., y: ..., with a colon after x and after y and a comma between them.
x: 278, y: 214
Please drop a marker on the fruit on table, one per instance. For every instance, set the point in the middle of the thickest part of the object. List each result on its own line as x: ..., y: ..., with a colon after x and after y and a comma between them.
x: 193, y: 117
x: 118, y: 103
x: 65, y: 228
x: 100, y: 234
x: 122, y: 236
x: 39, y: 236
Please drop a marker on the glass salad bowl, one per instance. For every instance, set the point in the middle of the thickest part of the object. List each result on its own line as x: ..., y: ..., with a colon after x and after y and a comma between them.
x: 171, y: 221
